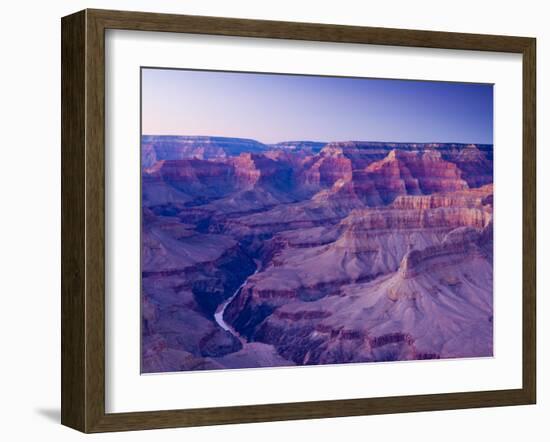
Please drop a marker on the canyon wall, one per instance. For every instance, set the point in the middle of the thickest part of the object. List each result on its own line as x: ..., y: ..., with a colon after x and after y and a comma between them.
x: 313, y: 253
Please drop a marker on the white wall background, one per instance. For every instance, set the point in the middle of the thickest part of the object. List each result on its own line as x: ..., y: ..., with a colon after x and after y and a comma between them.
x: 30, y: 217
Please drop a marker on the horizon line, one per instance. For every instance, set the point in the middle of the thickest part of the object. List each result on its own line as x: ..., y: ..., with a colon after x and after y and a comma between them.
x: 319, y: 141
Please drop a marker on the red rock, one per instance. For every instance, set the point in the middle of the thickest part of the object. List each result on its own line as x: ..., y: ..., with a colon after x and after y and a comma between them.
x: 361, y: 252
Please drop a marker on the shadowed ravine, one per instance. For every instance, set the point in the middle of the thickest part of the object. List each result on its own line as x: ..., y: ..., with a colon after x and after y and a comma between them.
x: 218, y: 316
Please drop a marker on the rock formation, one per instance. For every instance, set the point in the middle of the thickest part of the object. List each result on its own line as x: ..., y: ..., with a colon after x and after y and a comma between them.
x: 318, y: 252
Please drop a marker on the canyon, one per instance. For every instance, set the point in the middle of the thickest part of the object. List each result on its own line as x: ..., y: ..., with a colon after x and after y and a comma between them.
x: 307, y: 253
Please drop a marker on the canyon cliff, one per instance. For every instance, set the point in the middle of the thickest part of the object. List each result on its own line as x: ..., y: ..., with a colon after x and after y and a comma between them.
x: 305, y: 253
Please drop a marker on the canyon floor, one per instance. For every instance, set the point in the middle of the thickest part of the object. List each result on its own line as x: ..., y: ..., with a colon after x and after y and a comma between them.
x: 306, y: 253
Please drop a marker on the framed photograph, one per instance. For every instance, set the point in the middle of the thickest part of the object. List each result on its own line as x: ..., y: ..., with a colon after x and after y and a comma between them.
x: 268, y: 220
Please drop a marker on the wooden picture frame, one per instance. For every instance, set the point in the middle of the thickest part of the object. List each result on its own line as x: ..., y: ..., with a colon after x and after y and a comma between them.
x: 83, y: 220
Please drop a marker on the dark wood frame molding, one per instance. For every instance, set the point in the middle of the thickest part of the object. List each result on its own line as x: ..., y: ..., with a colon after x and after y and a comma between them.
x: 83, y: 217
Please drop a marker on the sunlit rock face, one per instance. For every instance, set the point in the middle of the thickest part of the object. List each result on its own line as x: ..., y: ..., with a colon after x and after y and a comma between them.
x: 305, y: 253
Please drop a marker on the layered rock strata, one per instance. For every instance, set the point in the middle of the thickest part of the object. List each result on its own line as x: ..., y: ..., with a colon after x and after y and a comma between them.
x: 315, y: 253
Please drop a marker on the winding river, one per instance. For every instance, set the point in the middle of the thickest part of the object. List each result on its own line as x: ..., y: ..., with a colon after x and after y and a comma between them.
x: 218, y: 316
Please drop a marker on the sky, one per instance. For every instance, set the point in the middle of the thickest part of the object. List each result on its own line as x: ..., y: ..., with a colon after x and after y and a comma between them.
x: 274, y: 107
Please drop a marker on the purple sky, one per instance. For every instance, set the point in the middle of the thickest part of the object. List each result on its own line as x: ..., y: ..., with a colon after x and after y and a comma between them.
x: 271, y: 108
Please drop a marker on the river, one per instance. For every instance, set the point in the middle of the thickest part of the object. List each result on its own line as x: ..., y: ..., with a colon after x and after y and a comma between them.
x: 218, y: 316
